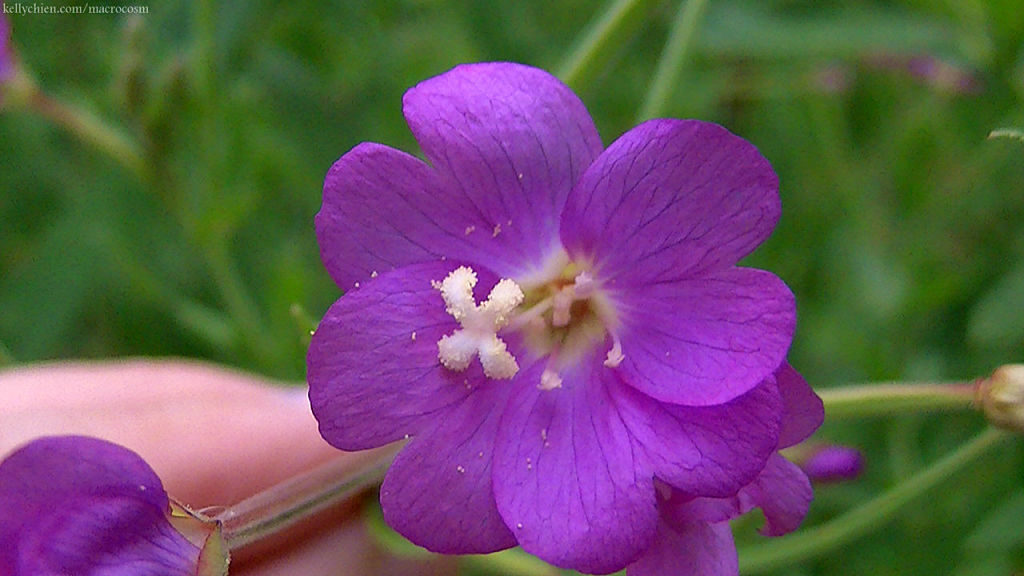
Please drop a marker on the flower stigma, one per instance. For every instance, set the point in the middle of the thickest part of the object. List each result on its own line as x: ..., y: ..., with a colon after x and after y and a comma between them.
x: 480, y: 324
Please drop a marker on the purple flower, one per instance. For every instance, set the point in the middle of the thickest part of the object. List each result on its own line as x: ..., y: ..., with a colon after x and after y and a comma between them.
x: 694, y: 535
x: 833, y: 464
x: 78, y: 505
x: 553, y: 324
x: 6, y: 51
x: 931, y: 70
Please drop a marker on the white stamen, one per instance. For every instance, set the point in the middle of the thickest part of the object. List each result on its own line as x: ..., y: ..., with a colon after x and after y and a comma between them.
x: 480, y: 324
x: 615, y: 355
x: 470, y: 230
x: 560, y: 305
x: 584, y: 285
x: 549, y: 380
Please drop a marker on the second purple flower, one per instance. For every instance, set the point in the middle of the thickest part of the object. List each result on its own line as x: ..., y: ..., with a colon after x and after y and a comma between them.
x: 6, y: 50
x: 554, y: 325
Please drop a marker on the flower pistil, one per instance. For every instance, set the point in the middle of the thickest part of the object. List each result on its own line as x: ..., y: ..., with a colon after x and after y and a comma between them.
x: 480, y: 324
x: 564, y: 315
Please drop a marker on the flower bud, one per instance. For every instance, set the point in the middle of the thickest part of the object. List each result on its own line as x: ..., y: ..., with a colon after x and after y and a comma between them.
x: 1001, y: 397
x: 833, y: 463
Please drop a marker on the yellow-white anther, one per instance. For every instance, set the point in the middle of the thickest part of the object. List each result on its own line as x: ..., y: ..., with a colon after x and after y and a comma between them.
x: 549, y: 380
x: 480, y: 324
x: 584, y: 285
x: 561, y: 303
x: 615, y: 355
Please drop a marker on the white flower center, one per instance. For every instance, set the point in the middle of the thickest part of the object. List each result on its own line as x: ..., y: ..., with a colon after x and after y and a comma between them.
x: 565, y: 313
x: 480, y: 324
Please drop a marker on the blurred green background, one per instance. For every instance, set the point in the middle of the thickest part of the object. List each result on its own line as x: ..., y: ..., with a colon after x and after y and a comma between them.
x: 902, y: 232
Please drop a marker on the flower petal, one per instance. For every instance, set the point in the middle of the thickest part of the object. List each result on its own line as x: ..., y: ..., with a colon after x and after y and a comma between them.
x: 568, y: 480
x: 803, y: 411
x: 77, y: 505
x: 509, y: 142
x: 710, y: 451
x: 106, y: 537
x: 706, y: 340
x: 704, y: 549
x: 781, y: 491
x: 668, y: 200
x: 373, y: 370
x: 381, y: 210
x: 438, y: 492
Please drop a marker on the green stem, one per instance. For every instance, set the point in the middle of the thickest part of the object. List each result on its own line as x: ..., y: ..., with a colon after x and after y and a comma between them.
x: 619, y: 20
x: 240, y: 305
x: 89, y: 129
x: 206, y: 26
x: 896, y: 398
x: 818, y: 540
x: 673, y: 58
x: 234, y: 293
x: 274, y: 510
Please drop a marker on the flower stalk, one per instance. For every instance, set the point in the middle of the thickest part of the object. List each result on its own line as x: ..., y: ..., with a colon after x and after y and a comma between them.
x: 608, y: 32
x: 896, y: 398
x: 818, y: 540
x: 673, y: 58
x: 282, y: 506
x: 89, y: 129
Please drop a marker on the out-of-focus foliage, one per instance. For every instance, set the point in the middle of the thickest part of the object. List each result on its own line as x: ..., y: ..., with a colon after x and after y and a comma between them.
x: 902, y: 234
